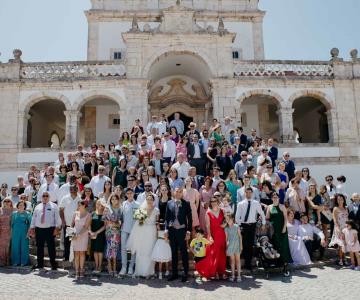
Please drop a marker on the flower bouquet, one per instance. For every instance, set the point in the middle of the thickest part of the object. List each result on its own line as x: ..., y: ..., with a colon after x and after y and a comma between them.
x: 70, y: 232
x: 140, y: 215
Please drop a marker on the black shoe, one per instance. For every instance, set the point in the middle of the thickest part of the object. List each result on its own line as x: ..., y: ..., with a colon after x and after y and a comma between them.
x: 54, y: 269
x: 173, y: 277
x: 184, y: 278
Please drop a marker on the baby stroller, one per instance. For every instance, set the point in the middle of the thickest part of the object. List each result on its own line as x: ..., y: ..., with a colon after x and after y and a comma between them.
x: 267, y: 257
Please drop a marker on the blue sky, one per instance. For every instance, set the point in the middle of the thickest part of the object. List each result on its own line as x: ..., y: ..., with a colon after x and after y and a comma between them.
x: 56, y: 30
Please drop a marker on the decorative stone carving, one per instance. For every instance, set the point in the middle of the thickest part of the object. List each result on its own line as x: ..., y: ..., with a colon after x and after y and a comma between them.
x: 177, y: 92
x: 52, y: 71
x: 272, y: 68
x: 134, y: 25
x: 210, y: 29
x: 221, y: 28
x: 147, y: 28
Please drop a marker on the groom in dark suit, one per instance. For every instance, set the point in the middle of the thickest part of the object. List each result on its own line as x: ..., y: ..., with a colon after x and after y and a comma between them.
x: 178, y: 226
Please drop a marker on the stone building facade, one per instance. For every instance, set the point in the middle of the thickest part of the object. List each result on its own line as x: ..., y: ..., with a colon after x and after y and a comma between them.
x: 202, y: 58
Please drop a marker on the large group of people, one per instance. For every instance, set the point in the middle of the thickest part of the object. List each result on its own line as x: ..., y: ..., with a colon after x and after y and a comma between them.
x: 163, y: 192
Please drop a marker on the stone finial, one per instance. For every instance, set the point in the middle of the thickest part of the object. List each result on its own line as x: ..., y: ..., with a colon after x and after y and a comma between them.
x: 334, y: 53
x: 221, y: 27
x: 354, y: 54
x: 134, y: 25
x: 178, y: 2
x: 17, y: 54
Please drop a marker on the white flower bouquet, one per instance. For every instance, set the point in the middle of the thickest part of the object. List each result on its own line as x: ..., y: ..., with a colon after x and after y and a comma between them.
x: 140, y: 215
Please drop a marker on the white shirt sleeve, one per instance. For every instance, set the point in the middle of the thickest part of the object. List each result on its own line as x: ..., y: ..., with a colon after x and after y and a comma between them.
x: 261, y: 213
x: 237, y: 215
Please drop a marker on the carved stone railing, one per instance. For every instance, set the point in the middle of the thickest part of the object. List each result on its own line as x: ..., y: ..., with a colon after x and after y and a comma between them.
x: 71, y: 70
x: 283, y: 68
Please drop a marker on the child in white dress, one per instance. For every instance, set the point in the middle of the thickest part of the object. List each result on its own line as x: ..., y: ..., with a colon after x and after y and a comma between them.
x: 162, y: 253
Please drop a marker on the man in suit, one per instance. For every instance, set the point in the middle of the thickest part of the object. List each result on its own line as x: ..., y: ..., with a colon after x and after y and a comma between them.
x: 273, y: 152
x: 196, y: 155
x: 289, y: 165
x: 157, y: 162
x: 192, y: 131
x: 178, y: 226
x: 197, y: 180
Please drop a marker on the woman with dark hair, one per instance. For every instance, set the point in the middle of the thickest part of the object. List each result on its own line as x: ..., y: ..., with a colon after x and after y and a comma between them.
x: 182, y: 146
x: 166, y: 169
x: 254, y: 179
x: 222, y: 188
x: 284, y: 181
x: 163, y: 181
x: 107, y: 191
x: 206, y: 192
x: 214, y: 264
x: 340, y: 216
x: 174, y: 136
x: 75, y: 170
x: 277, y: 215
x: 34, y: 193
x: 112, y: 218
x: 306, y: 180
x: 152, y: 177
x: 88, y: 196
x: 120, y: 173
x: 144, y: 177
x: 125, y: 138
x: 20, y: 224
x: 211, y: 154
x: 79, y: 241
x: 223, y: 162
x: 232, y: 185
x: 62, y: 174
x: 174, y: 179
x: 265, y: 195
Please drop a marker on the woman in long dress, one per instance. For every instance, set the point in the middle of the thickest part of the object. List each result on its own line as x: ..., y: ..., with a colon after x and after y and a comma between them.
x: 214, y: 264
x: 298, y: 251
x: 206, y: 192
x: 192, y: 196
x: 276, y: 214
x: 142, y: 239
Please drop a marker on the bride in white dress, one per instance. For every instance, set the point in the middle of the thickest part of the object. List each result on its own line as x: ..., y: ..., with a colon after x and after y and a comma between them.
x: 299, y: 253
x: 142, y: 240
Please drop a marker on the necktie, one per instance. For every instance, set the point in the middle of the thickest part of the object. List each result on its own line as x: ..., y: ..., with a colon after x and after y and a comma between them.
x: 247, y: 211
x: 43, y: 214
x: 48, y: 188
x: 193, y: 183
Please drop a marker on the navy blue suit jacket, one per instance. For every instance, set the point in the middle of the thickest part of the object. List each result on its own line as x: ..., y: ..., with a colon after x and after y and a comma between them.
x: 184, y: 214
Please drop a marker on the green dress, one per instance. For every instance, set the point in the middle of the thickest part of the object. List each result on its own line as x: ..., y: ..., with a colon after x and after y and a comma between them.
x: 280, y: 240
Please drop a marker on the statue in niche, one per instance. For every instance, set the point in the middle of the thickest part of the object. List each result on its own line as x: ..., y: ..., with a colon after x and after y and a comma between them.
x: 221, y: 28
x: 134, y: 25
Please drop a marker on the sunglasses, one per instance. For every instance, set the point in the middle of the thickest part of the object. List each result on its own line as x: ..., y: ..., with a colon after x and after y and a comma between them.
x: 7, y: 201
x: 148, y: 186
x: 45, y: 196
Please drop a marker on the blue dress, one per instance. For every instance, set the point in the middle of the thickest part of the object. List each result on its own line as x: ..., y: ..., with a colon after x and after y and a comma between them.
x: 20, y: 223
x: 282, y: 192
x: 233, y: 239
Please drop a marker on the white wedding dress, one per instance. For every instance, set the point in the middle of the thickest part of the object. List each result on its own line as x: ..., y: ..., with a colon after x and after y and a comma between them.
x: 141, y: 241
x: 298, y: 251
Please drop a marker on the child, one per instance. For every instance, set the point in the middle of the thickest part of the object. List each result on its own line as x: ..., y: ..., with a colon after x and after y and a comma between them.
x: 352, y: 244
x: 226, y: 205
x: 198, y: 246
x: 162, y: 252
x: 234, y: 246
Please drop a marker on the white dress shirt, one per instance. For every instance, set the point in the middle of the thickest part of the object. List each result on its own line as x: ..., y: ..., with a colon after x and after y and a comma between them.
x: 161, y: 127
x: 97, y: 184
x: 52, y: 217
x: 182, y: 169
x: 169, y: 149
x: 255, y: 209
x: 53, y: 191
x: 197, y: 153
x: 69, y: 205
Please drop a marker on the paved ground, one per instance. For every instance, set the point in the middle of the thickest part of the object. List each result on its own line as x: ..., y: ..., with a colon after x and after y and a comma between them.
x: 317, y: 283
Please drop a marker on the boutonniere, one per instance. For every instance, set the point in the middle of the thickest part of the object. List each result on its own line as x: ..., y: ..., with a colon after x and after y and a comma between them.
x: 178, y: 203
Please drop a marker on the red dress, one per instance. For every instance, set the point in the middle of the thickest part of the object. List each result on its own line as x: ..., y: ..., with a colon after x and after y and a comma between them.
x: 215, y: 261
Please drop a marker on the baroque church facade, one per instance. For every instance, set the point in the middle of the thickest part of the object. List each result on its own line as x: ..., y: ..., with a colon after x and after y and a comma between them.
x: 202, y: 58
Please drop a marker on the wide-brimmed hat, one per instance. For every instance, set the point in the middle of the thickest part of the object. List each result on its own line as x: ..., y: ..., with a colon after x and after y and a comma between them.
x: 192, y: 124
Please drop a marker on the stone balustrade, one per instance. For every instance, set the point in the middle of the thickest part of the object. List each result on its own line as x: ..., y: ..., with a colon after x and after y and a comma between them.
x: 272, y: 68
x: 72, y: 70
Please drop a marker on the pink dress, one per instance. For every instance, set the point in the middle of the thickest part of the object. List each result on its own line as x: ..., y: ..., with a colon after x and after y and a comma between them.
x: 81, y: 242
x: 205, y: 197
x: 181, y: 148
x: 338, y: 236
x: 190, y: 196
x: 351, y: 240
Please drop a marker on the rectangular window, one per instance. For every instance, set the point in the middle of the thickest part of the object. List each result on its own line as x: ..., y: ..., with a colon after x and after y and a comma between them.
x: 117, y: 55
x: 235, y: 54
x: 116, y: 121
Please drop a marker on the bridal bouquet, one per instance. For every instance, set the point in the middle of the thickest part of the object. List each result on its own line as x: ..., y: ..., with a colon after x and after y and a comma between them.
x: 70, y: 232
x: 140, y: 214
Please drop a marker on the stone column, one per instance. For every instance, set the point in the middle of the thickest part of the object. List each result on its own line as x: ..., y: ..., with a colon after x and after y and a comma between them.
x: 23, y: 119
x: 333, y: 126
x: 72, y: 128
x: 286, y: 125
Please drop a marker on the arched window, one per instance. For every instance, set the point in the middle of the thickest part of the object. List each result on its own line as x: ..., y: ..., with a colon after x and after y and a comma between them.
x: 310, y: 120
